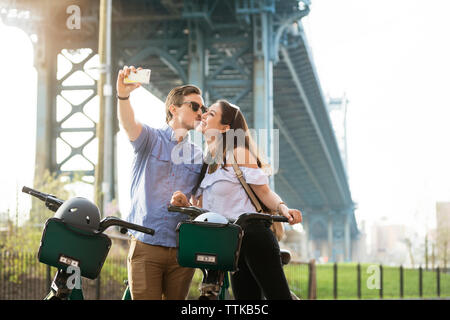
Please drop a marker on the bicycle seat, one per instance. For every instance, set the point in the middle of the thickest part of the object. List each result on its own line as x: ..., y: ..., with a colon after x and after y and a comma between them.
x: 285, y: 256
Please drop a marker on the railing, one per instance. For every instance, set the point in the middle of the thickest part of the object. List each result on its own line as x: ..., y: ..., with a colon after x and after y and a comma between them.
x: 302, y: 279
x: 385, y: 282
x: 22, y: 276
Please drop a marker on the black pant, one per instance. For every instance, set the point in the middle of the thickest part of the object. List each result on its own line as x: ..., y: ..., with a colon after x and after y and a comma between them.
x: 260, y: 272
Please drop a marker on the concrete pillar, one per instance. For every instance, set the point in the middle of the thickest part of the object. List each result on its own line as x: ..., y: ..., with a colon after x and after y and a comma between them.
x: 331, y: 256
x: 45, y: 63
x: 196, y: 71
x: 263, y: 85
x: 347, y: 240
x: 306, y: 253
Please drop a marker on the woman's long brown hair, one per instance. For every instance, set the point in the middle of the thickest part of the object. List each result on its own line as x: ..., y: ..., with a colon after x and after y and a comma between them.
x: 233, y: 117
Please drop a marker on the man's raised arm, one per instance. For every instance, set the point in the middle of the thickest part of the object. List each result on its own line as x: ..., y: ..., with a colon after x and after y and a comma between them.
x: 126, y: 114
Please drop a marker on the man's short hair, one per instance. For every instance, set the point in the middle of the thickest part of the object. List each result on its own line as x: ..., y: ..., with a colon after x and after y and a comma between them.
x: 176, y: 95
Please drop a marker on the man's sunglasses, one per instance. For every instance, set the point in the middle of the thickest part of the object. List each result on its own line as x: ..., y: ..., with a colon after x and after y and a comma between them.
x: 195, y: 106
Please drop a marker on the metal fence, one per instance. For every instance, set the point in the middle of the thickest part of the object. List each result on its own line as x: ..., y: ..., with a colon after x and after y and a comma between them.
x: 22, y: 276
x: 375, y: 281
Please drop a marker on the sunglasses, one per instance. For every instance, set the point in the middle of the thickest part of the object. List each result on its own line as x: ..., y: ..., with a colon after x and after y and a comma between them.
x: 195, y: 106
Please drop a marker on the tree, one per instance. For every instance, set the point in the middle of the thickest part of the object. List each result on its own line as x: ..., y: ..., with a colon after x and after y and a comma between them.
x: 408, y: 243
x: 27, y: 237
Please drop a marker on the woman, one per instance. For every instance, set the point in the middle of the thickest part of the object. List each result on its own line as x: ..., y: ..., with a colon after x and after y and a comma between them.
x: 260, y: 271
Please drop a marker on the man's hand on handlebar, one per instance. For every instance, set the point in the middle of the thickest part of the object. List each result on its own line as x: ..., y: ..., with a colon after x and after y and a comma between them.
x: 179, y: 199
x: 294, y: 215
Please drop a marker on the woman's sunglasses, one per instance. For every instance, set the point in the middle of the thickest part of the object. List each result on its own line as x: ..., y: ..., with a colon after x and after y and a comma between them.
x: 195, y: 106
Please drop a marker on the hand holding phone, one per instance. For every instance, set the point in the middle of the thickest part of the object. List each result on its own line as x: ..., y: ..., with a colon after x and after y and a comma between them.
x: 141, y: 76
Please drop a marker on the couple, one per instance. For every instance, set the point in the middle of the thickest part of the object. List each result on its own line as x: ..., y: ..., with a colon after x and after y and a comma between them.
x: 153, y: 271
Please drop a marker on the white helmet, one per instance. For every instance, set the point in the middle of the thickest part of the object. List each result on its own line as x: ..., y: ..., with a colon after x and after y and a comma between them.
x: 212, y: 217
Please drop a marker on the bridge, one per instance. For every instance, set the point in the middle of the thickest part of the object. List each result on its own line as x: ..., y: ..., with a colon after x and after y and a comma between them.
x: 252, y: 52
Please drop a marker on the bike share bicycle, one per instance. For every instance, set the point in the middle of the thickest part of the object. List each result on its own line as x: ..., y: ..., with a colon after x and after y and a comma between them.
x: 211, y: 243
x: 74, y: 238
x: 73, y: 241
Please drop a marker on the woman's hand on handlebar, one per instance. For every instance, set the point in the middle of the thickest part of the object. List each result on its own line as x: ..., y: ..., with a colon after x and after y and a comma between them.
x: 179, y: 199
x: 294, y: 215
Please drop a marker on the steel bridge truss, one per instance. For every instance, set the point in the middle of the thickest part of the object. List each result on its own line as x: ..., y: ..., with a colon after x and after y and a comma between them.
x: 251, y: 52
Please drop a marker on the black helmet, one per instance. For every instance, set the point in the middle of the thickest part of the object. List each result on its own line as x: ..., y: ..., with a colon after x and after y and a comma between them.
x: 79, y: 212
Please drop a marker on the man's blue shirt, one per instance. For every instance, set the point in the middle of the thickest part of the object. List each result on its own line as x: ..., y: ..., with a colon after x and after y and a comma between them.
x: 160, y: 167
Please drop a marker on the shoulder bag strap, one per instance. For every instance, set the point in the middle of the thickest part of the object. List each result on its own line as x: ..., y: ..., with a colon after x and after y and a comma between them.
x: 247, y: 188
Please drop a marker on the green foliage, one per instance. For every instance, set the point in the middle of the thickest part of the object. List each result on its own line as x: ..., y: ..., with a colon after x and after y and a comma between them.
x: 52, y: 184
x: 114, y: 269
x: 297, y: 277
x: 26, y: 238
x: 347, y: 282
x: 19, y: 243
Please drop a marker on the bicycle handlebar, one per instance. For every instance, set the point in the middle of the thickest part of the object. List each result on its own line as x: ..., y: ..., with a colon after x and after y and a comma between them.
x: 243, y: 218
x: 247, y: 217
x: 191, y: 211
x: 114, y: 221
x: 53, y: 203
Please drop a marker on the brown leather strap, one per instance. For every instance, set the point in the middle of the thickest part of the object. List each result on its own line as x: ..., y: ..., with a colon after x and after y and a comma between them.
x: 247, y: 188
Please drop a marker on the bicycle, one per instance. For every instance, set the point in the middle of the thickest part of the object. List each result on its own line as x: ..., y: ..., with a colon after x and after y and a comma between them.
x: 73, y: 241
x: 211, y: 243
x: 68, y: 244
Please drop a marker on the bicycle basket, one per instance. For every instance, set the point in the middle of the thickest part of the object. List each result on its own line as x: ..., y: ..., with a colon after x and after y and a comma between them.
x: 207, y: 245
x: 63, y: 246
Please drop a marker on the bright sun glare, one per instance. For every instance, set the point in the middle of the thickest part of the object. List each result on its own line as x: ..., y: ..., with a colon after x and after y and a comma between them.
x: 18, y: 122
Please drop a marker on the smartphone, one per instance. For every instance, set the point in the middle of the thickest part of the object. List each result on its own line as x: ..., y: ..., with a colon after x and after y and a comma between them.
x: 142, y: 76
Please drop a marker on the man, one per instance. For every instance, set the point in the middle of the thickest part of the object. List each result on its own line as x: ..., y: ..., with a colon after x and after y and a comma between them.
x: 153, y: 272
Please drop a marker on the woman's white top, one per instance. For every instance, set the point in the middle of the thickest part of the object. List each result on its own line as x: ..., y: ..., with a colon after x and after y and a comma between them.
x: 223, y: 193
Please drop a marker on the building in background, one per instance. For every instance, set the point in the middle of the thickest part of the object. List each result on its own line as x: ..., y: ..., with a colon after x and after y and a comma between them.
x: 389, y: 244
x: 442, y: 234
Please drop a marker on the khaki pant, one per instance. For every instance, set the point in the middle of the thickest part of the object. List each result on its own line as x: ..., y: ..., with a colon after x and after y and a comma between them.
x: 154, y: 274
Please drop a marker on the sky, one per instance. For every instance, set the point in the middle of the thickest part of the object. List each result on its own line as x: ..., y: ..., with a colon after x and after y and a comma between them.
x: 390, y: 58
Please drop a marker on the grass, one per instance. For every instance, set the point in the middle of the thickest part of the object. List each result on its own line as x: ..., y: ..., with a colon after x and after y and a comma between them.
x: 115, y: 270
x: 297, y: 276
x: 347, y: 282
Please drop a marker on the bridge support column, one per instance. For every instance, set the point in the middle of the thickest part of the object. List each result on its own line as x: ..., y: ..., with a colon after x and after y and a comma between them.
x: 331, y: 255
x: 45, y: 63
x: 347, y: 239
x: 196, y: 71
x: 305, y: 245
x: 263, y: 85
